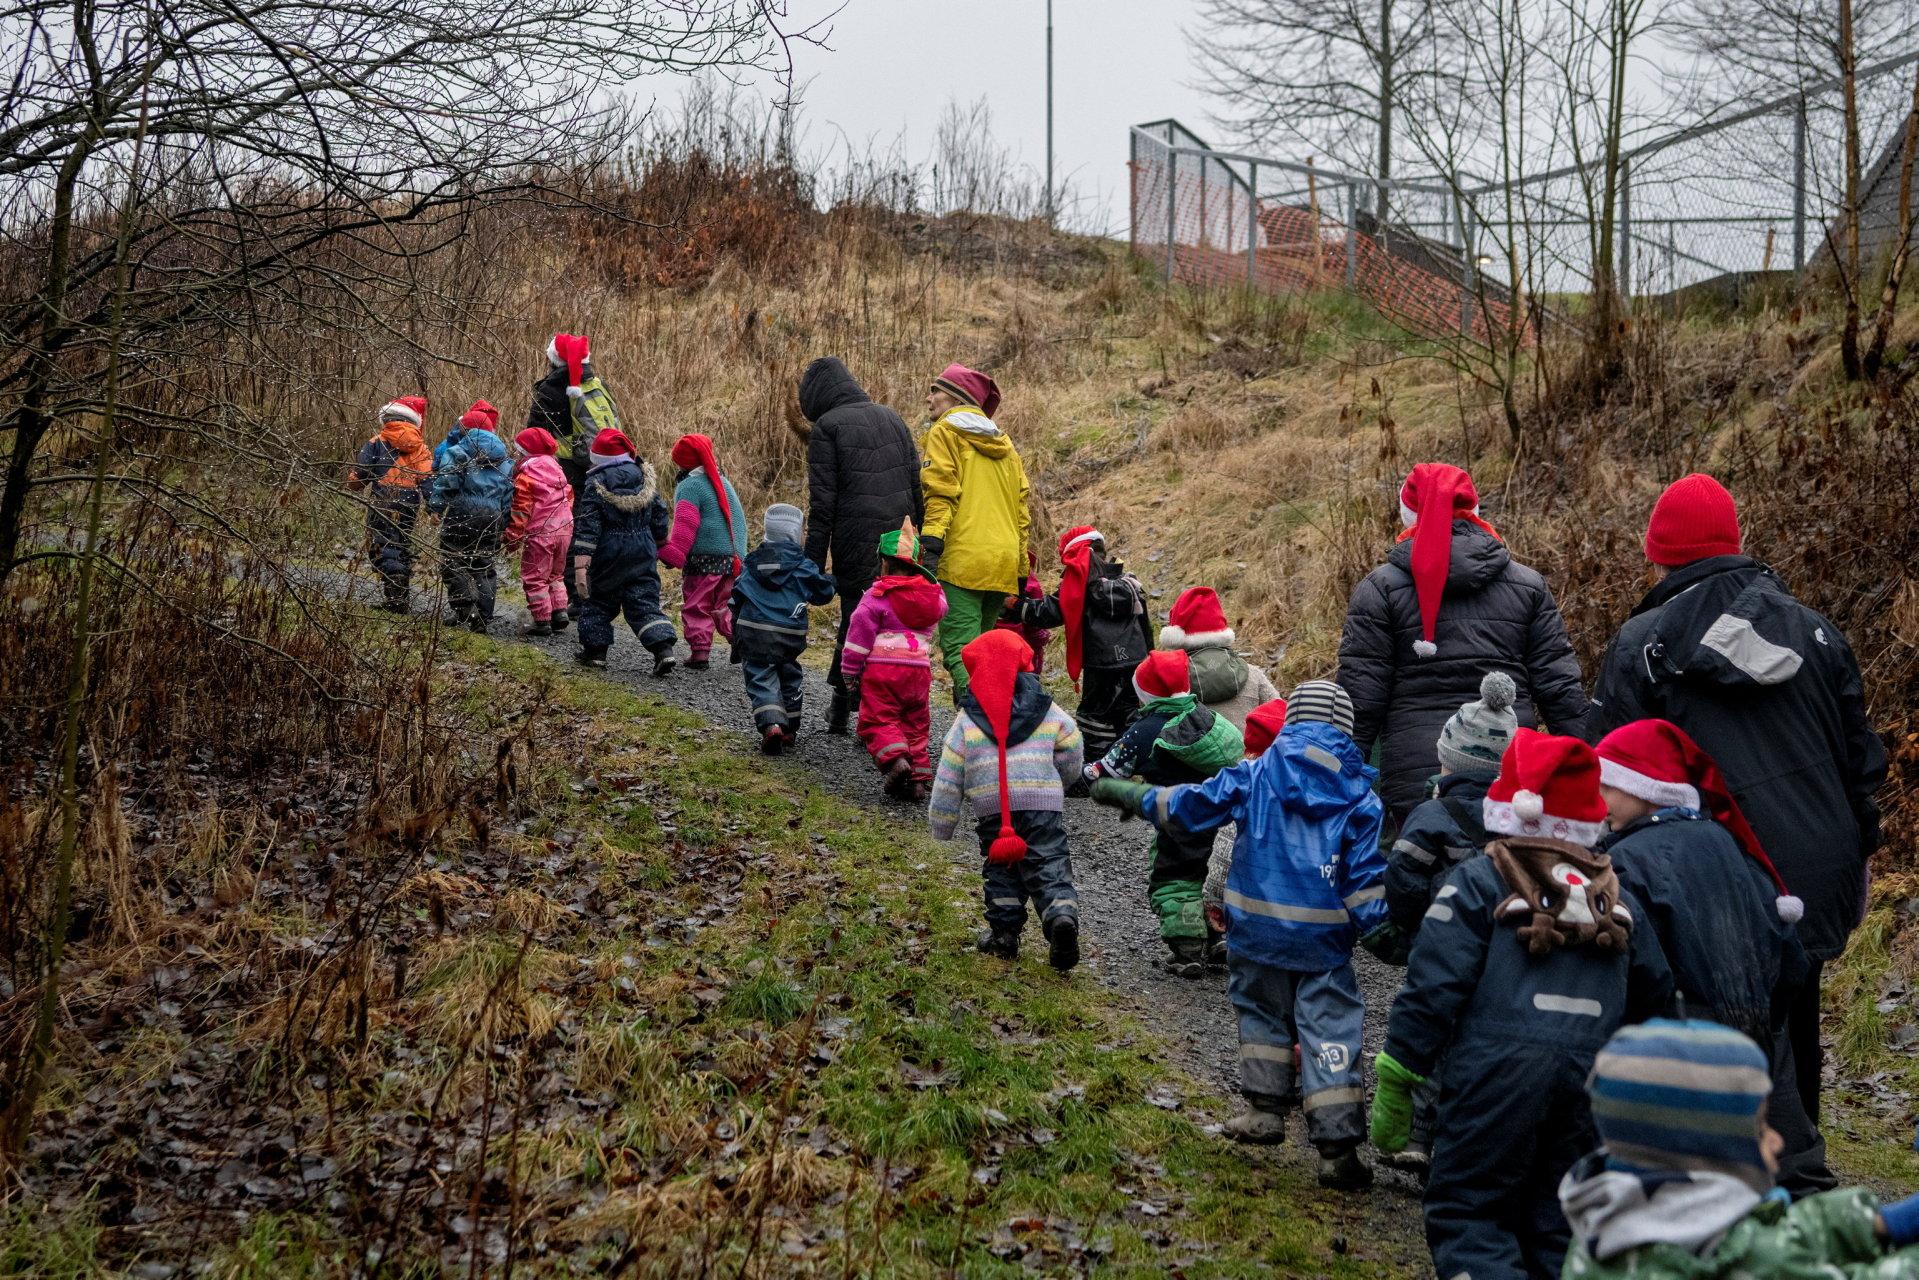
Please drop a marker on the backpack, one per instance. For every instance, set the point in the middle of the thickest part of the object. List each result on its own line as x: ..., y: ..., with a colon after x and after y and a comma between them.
x: 1202, y: 740
x: 593, y: 412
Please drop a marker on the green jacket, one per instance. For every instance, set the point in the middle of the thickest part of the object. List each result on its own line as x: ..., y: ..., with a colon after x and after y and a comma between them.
x: 1823, y: 1237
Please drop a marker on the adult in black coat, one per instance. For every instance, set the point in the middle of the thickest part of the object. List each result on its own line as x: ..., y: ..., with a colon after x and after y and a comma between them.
x: 863, y: 479
x: 1770, y: 689
x: 1423, y: 629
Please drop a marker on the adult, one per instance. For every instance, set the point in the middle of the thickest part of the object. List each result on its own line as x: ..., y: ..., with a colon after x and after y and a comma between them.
x: 1424, y: 628
x: 569, y: 358
x: 863, y: 479
x: 1771, y: 691
x: 976, y: 513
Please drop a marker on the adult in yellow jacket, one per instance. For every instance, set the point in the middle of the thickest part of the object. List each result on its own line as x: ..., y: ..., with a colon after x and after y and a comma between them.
x: 976, y: 515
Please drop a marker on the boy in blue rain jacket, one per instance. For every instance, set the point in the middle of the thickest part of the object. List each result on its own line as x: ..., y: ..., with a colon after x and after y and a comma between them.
x: 1306, y: 882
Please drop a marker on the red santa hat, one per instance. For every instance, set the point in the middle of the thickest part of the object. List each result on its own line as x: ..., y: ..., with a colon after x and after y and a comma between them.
x: 970, y: 386
x: 1076, y: 566
x: 570, y: 351
x: 1658, y: 762
x: 538, y: 442
x: 1263, y: 724
x: 1547, y: 786
x: 405, y: 409
x: 993, y: 665
x: 611, y: 443
x: 481, y: 417
x: 1163, y: 674
x: 1435, y: 494
x: 1196, y: 621
x: 1694, y: 518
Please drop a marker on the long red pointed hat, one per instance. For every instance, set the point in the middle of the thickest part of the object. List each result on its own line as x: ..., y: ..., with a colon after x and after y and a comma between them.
x: 695, y: 450
x: 1435, y: 494
x: 1076, y: 566
x: 993, y: 666
x: 1659, y: 762
x: 570, y: 351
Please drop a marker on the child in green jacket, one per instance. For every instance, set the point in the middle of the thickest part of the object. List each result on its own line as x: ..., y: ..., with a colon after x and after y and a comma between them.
x: 1682, y: 1188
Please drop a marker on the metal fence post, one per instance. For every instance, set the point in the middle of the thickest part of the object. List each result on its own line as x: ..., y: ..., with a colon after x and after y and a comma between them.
x: 1132, y: 192
x: 1352, y: 233
x: 1799, y: 192
x: 1252, y: 222
x: 1624, y: 265
x: 1172, y: 209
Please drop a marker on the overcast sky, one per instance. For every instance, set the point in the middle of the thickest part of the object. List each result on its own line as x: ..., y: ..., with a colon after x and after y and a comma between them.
x: 891, y: 66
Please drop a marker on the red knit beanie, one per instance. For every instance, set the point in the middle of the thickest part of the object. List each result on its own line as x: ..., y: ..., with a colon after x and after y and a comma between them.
x: 537, y: 442
x: 481, y: 417
x: 1694, y: 518
x: 1263, y: 724
x: 993, y: 665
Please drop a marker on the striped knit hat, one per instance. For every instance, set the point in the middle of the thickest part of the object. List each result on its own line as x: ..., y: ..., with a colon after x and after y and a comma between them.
x: 1475, y: 738
x: 1670, y: 1095
x: 1321, y: 702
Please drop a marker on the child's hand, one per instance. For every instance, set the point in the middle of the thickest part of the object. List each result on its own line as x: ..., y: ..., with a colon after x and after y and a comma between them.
x: 1216, y: 917
x: 580, y: 564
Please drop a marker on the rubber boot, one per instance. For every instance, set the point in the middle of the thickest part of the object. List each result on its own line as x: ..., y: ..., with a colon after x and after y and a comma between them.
x: 773, y: 740
x: 1415, y: 1158
x: 1062, y: 944
x: 1262, y: 1124
x: 663, y: 661
x: 558, y: 621
x: 1003, y: 943
x: 1186, y: 957
x: 594, y: 657
x: 1344, y: 1170
x: 1215, y: 948
x: 899, y: 778
x: 839, y: 712
x: 537, y: 627
x: 476, y: 624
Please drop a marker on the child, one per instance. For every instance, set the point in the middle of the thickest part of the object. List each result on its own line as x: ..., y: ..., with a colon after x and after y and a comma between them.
x: 708, y: 543
x: 541, y: 526
x: 769, y: 625
x: 616, y: 562
x: 1683, y: 1185
x: 472, y: 492
x: 1222, y: 679
x: 1683, y: 849
x: 1007, y: 756
x: 1303, y: 884
x: 1263, y: 724
x: 1012, y: 619
x: 886, y: 663
x: 1174, y: 740
x: 1102, y: 610
x: 393, y: 467
x: 1527, y: 961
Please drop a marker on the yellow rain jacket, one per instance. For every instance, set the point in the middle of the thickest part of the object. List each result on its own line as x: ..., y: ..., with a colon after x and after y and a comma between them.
x: 975, y: 487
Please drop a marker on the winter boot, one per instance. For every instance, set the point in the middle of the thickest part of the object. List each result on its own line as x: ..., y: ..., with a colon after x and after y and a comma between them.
x: 459, y: 615
x: 664, y: 662
x: 773, y: 740
x: 1259, y: 1125
x: 478, y: 625
x: 1003, y: 943
x: 558, y: 621
x: 1344, y: 1171
x: 699, y: 664
x: 537, y: 627
x: 1416, y: 1158
x: 899, y: 778
x: 1215, y: 948
x: 1062, y: 943
x: 595, y: 657
x: 839, y: 713
x: 1186, y: 957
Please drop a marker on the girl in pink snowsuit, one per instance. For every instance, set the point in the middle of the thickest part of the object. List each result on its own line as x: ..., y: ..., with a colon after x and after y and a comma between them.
x: 541, y: 526
x: 888, y: 659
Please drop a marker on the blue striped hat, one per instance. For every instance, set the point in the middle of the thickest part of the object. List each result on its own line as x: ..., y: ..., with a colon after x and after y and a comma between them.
x: 1669, y: 1095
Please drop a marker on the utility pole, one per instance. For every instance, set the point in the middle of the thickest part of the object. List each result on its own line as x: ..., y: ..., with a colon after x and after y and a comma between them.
x: 1051, y: 212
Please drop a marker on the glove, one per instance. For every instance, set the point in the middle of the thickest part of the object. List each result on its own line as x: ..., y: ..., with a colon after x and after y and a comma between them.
x: 1387, y: 943
x: 1391, y: 1121
x: 580, y: 564
x: 930, y: 551
x: 1116, y: 793
x: 1901, y: 1221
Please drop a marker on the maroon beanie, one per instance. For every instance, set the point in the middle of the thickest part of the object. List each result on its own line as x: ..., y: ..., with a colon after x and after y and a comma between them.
x: 1693, y: 519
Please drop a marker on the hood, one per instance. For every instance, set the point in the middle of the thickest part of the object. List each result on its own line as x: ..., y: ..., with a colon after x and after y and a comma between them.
x: 1030, y: 705
x: 482, y: 444
x: 401, y: 436
x: 1477, y: 557
x: 1217, y: 674
x: 828, y: 385
x: 775, y: 562
x: 918, y: 602
x: 1316, y: 770
x: 977, y: 430
x: 1729, y: 621
x: 627, y: 485
x: 1613, y: 1210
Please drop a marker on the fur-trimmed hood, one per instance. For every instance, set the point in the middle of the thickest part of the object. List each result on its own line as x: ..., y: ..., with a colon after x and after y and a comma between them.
x: 624, y: 498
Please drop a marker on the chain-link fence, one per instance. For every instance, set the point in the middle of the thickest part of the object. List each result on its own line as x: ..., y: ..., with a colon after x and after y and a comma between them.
x: 1717, y: 207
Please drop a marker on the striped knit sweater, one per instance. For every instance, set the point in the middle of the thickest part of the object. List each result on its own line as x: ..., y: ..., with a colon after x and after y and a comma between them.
x: 1036, y: 771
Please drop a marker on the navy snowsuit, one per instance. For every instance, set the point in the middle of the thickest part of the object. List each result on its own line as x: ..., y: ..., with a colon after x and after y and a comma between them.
x: 1734, y: 961
x: 620, y: 523
x: 473, y: 494
x: 769, y: 604
x: 1518, y: 1034
x: 1180, y: 858
x: 1437, y: 836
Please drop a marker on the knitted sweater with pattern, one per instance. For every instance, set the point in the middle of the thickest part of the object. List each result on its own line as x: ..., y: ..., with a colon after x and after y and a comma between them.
x: 1044, y: 753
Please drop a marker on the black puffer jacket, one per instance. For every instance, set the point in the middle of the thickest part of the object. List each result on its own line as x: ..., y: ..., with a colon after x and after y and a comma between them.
x: 1496, y: 615
x: 1771, y: 691
x: 863, y: 475
x: 553, y: 410
x: 1118, y: 632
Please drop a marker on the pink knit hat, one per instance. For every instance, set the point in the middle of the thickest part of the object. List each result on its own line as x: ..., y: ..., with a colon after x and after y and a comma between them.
x: 970, y: 385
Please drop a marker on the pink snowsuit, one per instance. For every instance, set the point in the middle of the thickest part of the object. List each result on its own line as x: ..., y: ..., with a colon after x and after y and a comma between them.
x: 541, y: 526
x: 889, y: 653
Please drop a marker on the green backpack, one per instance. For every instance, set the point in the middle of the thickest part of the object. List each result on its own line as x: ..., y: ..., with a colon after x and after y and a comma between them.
x: 1202, y: 740
x: 593, y: 412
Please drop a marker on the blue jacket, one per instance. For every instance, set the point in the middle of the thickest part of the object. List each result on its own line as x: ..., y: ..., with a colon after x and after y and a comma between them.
x: 472, y: 475
x: 769, y: 602
x: 1472, y: 981
x: 1437, y: 836
x: 1307, y: 876
x: 1733, y: 959
x: 619, y: 523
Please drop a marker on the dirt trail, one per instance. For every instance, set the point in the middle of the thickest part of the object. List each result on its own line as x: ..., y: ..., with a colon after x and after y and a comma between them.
x: 1120, y: 937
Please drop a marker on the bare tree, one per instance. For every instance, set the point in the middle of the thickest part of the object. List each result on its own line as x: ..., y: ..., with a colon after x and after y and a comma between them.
x: 1769, y: 48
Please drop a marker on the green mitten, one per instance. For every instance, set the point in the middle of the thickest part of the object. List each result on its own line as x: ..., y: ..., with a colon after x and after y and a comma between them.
x: 1117, y: 793
x: 1387, y: 943
x: 1391, y: 1122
